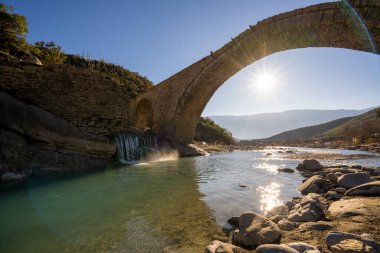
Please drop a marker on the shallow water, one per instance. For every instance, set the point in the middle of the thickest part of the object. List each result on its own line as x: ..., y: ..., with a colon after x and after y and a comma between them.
x: 144, y: 208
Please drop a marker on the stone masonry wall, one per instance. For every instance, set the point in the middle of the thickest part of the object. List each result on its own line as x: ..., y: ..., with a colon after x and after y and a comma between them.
x: 89, y: 100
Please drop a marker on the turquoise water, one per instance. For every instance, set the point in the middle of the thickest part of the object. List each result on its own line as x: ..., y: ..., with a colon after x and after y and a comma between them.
x: 143, y: 208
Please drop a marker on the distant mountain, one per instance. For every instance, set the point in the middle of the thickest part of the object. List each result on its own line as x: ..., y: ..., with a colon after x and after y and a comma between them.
x: 362, y: 127
x: 309, y: 132
x: 265, y: 125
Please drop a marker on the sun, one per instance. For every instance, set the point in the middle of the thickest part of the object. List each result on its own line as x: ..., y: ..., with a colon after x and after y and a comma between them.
x: 265, y: 82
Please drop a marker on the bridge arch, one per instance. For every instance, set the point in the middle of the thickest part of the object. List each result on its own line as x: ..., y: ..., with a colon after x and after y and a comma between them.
x: 144, y: 114
x: 179, y: 101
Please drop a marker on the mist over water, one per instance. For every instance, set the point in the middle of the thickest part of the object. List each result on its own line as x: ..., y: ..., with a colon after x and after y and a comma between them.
x: 146, y: 207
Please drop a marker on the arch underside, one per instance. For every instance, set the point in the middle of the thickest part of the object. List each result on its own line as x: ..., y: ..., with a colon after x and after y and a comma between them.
x: 179, y: 101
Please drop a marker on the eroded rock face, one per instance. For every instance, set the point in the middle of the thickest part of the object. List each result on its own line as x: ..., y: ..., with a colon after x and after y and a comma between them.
x: 368, y: 189
x: 309, y: 209
x: 350, y: 243
x: 309, y: 165
x: 255, y: 230
x: 315, y: 184
x: 275, y: 248
x: 353, y: 179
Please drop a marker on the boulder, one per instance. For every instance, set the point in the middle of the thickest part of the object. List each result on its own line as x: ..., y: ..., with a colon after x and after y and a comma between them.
x: 255, y: 230
x: 340, y: 190
x: 341, y: 170
x: 350, y: 243
x: 302, y: 247
x: 309, y: 209
x: 333, y: 195
x: 189, y: 150
x: 286, y: 170
x: 353, y: 179
x: 309, y: 165
x: 368, y: 189
x: 234, y: 222
x: 319, y: 226
x: 275, y: 248
x: 315, y: 184
x: 278, y: 213
x: 286, y: 225
x: 368, y: 206
x: 31, y: 59
x: 332, y: 177
x: 219, y: 247
x: 290, y: 205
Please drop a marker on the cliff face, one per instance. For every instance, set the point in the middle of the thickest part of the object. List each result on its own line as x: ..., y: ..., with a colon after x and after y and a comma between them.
x: 33, y: 140
x: 89, y: 100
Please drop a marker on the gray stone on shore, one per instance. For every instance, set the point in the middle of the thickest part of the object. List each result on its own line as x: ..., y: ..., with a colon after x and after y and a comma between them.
x: 332, y: 177
x: 286, y: 225
x: 353, y: 179
x: 368, y: 189
x: 350, y: 243
x: 255, y: 230
x: 234, y: 221
x: 277, y: 213
x: 220, y: 247
x: 290, y: 205
x: 302, y: 247
x: 275, y: 248
x: 319, y: 226
x: 315, y: 184
x: 367, y: 206
x: 286, y: 170
x: 340, y: 190
x: 333, y: 195
x: 309, y: 209
x: 309, y: 165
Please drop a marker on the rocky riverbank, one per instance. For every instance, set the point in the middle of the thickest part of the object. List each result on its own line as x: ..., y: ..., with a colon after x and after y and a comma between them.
x: 339, y: 212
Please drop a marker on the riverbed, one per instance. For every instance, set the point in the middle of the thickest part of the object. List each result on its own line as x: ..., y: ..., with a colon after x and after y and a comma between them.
x: 148, y: 207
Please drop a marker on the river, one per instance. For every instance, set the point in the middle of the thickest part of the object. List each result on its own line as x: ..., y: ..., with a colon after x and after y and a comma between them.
x: 146, y: 207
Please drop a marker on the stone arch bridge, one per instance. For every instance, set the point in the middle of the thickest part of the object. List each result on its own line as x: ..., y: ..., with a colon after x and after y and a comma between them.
x: 173, y: 107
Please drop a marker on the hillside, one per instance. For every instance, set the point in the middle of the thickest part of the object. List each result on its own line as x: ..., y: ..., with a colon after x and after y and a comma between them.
x: 210, y: 132
x: 309, y: 132
x: 265, y: 125
x: 365, y: 127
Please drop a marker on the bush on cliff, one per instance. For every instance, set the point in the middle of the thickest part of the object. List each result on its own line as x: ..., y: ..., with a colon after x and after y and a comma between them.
x: 210, y: 132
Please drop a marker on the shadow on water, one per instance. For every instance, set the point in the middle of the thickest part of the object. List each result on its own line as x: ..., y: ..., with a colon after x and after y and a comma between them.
x: 139, y: 208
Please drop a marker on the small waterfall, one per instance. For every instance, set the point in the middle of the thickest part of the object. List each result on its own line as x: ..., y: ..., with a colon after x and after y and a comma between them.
x: 133, y: 148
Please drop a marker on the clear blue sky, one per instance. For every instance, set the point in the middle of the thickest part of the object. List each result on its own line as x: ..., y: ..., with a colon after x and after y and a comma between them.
x: 159, y: 38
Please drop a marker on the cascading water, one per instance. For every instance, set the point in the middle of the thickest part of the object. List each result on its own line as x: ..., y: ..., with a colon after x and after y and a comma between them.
x: 133, y: 148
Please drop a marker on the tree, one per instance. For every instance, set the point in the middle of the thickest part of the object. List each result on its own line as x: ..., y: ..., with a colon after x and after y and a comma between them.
x: 13, y: 29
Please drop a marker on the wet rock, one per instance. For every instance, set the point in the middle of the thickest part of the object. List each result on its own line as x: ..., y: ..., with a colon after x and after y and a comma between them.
x: 319, y: 226
x: 350, y: 243
x: 310, y: 209
x: 278, y: 213
x: 306, y: 174
x: 368, y: 189
x: 286, y: 170
x: 309, y: 165
x: 302, y: 247
x: 340, y: 190
x: 333, y: 195
x: 332, y: 177
x: 255, y: 230
x: 368, y: 206
x: 234, y: 221
x: 11, y: 176
x: 286, y: 225
x: 341, y: 170
x: 315, y: 184
x: 353, y: 179
x: 275, y: 248
x: 219, y: 247
x: 290, y: 205
x: 268, y: 154
x: 189, y: 150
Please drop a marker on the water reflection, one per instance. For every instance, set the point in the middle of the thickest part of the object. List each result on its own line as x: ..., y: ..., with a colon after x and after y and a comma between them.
x: 270, y: 196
